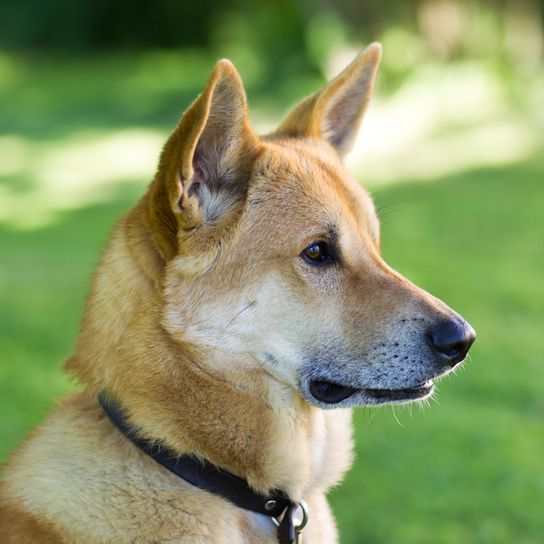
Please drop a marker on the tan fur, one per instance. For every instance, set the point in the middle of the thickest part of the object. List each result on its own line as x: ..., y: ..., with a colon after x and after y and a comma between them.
x: 198, y: 321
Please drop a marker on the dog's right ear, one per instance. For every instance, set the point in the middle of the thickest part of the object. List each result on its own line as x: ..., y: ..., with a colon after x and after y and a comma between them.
x: 334, y: 113
x: 205, y: 164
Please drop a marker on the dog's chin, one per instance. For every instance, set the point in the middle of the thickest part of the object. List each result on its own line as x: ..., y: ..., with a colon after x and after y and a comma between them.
x: 334, y: 395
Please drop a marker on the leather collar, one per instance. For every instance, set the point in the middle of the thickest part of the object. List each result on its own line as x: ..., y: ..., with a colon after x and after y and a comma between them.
x: 209, y: 477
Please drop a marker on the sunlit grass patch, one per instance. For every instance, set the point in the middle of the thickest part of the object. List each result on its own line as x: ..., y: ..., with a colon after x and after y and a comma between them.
x: 443, y: 120
x: 83, y: 169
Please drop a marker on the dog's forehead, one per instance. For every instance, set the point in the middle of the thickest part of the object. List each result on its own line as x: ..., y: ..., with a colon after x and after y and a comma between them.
x: 308, y: 175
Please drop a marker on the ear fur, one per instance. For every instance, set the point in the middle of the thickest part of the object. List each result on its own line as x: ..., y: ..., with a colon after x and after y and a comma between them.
x: 335, y: 112
x: 204, y: 165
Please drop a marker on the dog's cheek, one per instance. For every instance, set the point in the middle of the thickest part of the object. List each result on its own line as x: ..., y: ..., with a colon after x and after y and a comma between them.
x: 285, y: 329
x: 224, y: 322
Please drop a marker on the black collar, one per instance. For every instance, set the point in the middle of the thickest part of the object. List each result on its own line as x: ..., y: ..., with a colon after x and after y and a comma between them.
x: 207, y: 476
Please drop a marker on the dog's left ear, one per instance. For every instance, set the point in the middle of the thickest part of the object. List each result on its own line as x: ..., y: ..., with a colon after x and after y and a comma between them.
x: 335, y: 112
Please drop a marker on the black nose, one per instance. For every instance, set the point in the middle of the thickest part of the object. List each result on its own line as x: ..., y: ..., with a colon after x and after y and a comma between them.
x: 451, y: 340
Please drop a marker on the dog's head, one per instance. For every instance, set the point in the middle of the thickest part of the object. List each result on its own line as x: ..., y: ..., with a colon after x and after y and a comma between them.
x: 272, y: 251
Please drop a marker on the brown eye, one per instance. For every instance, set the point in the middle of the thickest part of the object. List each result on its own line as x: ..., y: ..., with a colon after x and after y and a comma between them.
x: 316, y: 253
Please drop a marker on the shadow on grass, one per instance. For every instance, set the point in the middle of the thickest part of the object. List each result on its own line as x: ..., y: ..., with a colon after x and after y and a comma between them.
x: 47, y: 98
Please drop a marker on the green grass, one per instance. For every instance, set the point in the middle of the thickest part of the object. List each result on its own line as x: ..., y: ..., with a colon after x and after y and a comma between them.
x: 465, y: 469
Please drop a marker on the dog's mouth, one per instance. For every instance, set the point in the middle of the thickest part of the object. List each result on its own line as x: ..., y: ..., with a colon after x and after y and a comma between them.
x: 334, y: 393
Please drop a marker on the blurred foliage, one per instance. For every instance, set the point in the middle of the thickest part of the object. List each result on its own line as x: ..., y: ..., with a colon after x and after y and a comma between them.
x: 281, y: 37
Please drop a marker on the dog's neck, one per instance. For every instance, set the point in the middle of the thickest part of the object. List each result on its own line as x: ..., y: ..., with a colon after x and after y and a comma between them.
x: 245, y: 422
x: 229, y: 422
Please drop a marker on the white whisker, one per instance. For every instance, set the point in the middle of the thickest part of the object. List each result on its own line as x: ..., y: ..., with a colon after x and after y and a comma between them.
x: 396, y: 418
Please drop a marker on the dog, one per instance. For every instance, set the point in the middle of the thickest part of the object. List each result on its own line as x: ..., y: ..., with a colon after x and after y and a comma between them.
x: 238, y: 313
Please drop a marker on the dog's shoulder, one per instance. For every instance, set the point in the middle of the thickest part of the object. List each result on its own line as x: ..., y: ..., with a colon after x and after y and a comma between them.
x: 77, y: 479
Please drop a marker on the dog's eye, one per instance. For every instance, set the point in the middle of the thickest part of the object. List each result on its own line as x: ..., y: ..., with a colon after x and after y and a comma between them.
x: 317, y: 253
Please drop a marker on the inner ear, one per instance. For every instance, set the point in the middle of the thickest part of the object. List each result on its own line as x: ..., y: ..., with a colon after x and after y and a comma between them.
x: 216, y: 143
x: 214, y: 174
x: 217, y: 185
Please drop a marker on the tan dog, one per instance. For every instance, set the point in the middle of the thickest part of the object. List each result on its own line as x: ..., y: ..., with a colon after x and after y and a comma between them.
x: 242, y: 297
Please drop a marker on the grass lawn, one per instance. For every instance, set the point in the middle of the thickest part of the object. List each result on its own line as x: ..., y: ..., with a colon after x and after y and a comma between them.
x: 466, y: 469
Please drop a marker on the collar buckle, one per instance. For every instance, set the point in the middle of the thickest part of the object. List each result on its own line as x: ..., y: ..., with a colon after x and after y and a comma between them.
x: 291, y: 524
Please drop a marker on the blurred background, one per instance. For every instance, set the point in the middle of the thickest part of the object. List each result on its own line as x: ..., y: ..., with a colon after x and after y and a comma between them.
x: 451, y: 149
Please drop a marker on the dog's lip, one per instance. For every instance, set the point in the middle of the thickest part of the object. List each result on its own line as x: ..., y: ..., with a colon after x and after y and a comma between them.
x: 330, y: 392
x: 333, y: 393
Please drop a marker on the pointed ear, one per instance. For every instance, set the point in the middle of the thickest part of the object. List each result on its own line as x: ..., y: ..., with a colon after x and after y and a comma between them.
x: 204, y: 166
x: 335, y: 112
